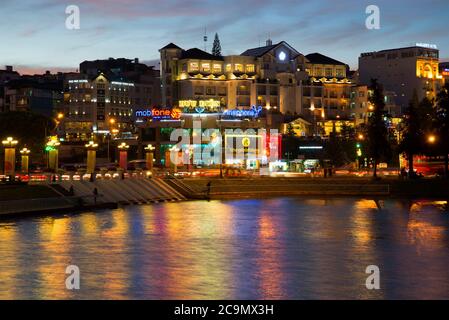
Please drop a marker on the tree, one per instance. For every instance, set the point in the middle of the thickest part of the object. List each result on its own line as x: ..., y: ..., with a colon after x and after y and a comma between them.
x: 442, y: 124
x: 334, y: 150
x: 411, y: 142
x: 378, y: 141
x: 30, y: 129
x: 290, y: 130
x: 216, y: 48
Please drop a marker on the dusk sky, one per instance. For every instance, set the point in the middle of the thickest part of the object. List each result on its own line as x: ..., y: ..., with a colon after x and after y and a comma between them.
x: 34, y: 37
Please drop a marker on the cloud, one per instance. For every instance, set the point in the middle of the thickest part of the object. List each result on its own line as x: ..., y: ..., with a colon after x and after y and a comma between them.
x: 138, y: 28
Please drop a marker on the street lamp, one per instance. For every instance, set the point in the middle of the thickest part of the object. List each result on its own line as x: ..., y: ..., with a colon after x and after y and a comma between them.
x: 431, y: 139
x: 123, y: 155
x: 25, y: 152
x: 53, y: 153
x: 149, y: 157
x: 10, y: 156
x: 91, y: 156
x: 312, y: 109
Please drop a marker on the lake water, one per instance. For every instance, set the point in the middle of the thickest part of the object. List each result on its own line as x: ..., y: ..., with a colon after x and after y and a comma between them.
x: 282, y: 248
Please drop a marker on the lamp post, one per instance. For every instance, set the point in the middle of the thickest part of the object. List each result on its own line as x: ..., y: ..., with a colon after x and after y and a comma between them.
x: 149, y: 157
x: 91, y: 156
x: 123, y: 155
x: 10, y: 156
x: 360, y: 138
x: 25, y: 152
x: 53, y: 153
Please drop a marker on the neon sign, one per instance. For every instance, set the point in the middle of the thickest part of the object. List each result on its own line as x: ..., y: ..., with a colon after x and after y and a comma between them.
x: 157, y: 113
x: 201, y: 103
x: 427, y: 45
x: 254, y: 112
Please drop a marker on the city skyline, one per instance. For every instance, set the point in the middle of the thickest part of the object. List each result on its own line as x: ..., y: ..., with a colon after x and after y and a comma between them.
x: 139, y: 28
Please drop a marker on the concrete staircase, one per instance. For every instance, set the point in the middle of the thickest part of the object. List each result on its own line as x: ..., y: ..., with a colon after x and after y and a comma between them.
x: 127, y: 191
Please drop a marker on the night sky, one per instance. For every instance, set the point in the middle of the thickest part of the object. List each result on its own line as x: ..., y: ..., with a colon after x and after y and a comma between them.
x: 34, y: 37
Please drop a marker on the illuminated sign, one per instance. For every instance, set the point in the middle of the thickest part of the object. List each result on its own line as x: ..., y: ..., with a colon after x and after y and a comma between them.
x: 157, y: 113
x: 254, y: 112
x: 199, y: 103
x: 445, y: 72
x: 311, y: 148
x: 427, y: 45
x: 282, y: 56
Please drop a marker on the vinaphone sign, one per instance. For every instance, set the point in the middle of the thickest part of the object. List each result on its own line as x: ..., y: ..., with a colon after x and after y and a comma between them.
x: 176, y: 113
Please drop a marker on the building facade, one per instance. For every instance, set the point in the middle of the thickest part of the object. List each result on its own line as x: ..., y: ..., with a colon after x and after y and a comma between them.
x: 101, y: 99
x: 268, y: 76
x: 402, y: 71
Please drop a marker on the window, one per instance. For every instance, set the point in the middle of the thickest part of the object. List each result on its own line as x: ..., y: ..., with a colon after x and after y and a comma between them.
x: 250, y: 68
x: 184, y: 67
x: 210, y: 91
x: 217, y: 68
x: 222, y: 91
x: 329, y: 72
x: 228, y: 68
x: 199, y: 90
x: 340, y: 73
x: 239, y: 67
x: 194, y: 66
x: 205, y: 67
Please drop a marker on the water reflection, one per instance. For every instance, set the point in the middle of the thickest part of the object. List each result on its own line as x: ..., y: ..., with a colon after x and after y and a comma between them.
x: 248, y: 249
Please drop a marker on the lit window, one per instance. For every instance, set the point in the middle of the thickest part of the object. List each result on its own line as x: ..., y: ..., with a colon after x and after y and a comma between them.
x: 194, y: 66
x: 217, y: 67
x: 205, y: 67
x: 239, y: 67
x: 249, y: 68
x: 229, y: 68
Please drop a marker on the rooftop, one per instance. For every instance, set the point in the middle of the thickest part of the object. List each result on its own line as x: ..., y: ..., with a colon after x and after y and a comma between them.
x: 318, y: 58
x: 196, y: 53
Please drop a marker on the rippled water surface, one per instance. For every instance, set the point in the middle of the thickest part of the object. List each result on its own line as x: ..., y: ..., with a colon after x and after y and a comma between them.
x: 245, y: 249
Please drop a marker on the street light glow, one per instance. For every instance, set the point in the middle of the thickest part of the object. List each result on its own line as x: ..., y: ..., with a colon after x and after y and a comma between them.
x: 10, y: 142
x: 150, y: 148
x: 25, y: 151
x: 91, y: 145
x: 123, y: 146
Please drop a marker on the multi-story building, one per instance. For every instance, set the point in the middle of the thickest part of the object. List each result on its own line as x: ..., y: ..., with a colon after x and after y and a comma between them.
x: 131, y: 70
x: 101, y: 99
x: 402, y: 71
x: 444, y: 71
x: 268, y: 76
x: 33, y: 94
x: 327, y: 91
x: 6, y: 75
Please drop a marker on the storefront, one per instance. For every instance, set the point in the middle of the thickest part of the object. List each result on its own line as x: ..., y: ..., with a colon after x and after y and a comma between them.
x: 207, y: 134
